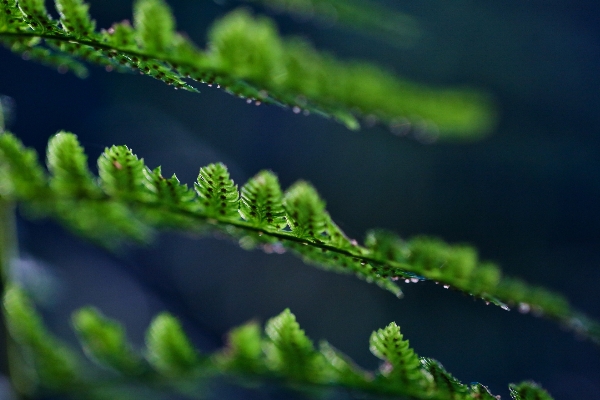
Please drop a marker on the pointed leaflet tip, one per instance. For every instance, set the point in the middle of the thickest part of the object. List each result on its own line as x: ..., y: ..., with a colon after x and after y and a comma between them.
x: 154, y: 25
x: 261, y: 202
x: 75, y: 18
x: 67, y: 162
x: 305, y: 211
x: 218, y: 194
x: 169, y: 349
x: 104, y: 340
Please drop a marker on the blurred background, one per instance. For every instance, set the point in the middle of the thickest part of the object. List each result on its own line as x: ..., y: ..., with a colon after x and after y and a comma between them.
x: 527, y: 196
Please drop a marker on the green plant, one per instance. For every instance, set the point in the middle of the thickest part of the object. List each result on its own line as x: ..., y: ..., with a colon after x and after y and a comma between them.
x: 130, y: 200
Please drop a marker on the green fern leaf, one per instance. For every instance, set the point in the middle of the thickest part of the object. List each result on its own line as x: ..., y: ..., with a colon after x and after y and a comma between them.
x: 218, y: 194
x: 385, y: 245
x: 68, y: 165
x: 528, y: 391
x: 21, y: 175
x: 55, y: 365
x: 121, y: 173
x: 485, y: 278
x: 305, y: 211
x: 121, y: 35
x: 11, y: 17
x: 154, y: 25
x: 36, y: 15
x: 288, y: 351
x: 244, y: 351
x: 169, y: 349
x: 402, y: 365
x: 344, y: 371
x: 444, y: 385
x: 167, y: 191
x: 75, y: 18
x: 261, y: 202
x: 245, y: 47
x: 105, y: 342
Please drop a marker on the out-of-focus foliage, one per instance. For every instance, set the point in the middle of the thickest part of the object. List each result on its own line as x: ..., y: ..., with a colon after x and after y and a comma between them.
x: 247, y: 57
x: 282, y: 352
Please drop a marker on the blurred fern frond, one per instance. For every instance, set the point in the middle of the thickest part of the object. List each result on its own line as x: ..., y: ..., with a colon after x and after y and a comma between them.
x: 281, y: 352
x: 261, y: 67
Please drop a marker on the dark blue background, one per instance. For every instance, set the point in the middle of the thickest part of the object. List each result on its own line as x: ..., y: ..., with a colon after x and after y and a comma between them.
x: 527, y: 196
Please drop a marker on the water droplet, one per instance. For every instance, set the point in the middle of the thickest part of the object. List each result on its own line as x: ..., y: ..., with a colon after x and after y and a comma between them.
x: 371, y: 120
x: 407, y: 280
x: 210, y: 85
x: 414, y: 280
x: 218, y: 86
x: 446, y: 286
x: 524, y: 308
x: 296, y: 110
x: 248, y: 101
x: 400, y: 126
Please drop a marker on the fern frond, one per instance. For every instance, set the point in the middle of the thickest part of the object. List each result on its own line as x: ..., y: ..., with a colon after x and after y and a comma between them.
x: 282, y: 352
x: 134, y: 199
x: 262, y: 67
